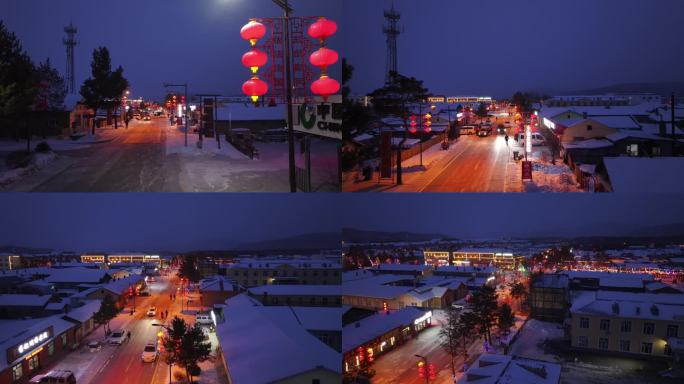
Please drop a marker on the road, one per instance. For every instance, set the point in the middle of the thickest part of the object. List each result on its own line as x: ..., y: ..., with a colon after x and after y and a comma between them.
x: 122, y: 364
x: 132, y: 162
x: 400, y: 365
x: 480, y: 166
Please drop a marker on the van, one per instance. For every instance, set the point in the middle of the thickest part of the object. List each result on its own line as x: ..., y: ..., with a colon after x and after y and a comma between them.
x: 56, y: 377
x: 537, y: 138
x: 204, y: 319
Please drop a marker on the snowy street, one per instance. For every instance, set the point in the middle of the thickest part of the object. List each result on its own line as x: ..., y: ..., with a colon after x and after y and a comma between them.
x: 150, y: 156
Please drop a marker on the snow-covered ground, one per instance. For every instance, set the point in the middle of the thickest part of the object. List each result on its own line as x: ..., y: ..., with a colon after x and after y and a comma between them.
x: 547, y: 177
x: 38, y: 161
x: 63, y: 143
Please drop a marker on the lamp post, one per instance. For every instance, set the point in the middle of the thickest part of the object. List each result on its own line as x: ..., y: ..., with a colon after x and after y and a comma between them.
x: 167, y: 329
x: 425, y: 364
x: 287, y: 9
x: 185, y: 86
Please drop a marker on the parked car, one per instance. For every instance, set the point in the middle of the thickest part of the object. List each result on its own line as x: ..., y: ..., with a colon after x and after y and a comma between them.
x: 118, y: 336
x: 94, y: 346
x: 55, y: 376
x: 152, y: 312
x: 149, y: 354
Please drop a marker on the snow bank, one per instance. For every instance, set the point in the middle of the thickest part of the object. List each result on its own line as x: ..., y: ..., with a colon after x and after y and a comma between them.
x: 38, y: 161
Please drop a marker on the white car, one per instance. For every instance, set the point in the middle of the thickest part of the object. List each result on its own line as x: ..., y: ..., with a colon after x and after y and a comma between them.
x: 149, y: 354
x: 152, y: 312
x: 118, y: 336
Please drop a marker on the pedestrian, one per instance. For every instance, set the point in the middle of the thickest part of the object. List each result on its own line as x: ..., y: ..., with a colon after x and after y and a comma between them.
x: 129, y: 335
x: 170, y: 296
x: 166, y: 315
x: 506, y: 138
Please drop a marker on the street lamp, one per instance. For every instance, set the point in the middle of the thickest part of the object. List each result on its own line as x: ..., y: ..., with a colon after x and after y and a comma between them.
x: 168, y: 330
x: 185, y: 86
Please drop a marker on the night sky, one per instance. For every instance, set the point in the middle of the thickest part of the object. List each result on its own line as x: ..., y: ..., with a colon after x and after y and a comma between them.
x: 496, y: 47
x: 158, y: 221
x: 156, y: 41
x: 483, y: 215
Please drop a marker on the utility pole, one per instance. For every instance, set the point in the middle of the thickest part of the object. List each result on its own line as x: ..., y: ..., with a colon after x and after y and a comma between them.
x: 672, y: 103
x: 287, y: 9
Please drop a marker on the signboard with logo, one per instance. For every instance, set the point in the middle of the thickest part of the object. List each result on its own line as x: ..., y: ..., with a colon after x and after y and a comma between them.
x: 30, y: 345
x: 319, y: 118
x: 527, y: 170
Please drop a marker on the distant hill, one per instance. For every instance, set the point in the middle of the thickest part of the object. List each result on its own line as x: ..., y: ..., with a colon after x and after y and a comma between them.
x: 310, y: 241
x: 352, y: 235
x: 23, y: 250
x: 662, y: 88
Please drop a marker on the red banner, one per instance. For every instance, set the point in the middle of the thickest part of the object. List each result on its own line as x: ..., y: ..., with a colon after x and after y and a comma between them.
x: 386, y: 155
x: 527, y: 170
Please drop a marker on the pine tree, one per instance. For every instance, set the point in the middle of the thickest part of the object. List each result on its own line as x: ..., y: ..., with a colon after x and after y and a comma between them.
x: 506, y: 319
x: 186, y: 346
x: 454, y: 333
x: 485, y: 307
x: 106, y: 313
x: 52, y: 87
x: 104, y: 89
x: 188, y: 269
x: 18, y: 80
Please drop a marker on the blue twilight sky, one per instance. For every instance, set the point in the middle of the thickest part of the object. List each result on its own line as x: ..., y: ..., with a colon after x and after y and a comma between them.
x: 160, y: 221
x: 155, y: 41
x: 491, y: 215
x: 496, y: 47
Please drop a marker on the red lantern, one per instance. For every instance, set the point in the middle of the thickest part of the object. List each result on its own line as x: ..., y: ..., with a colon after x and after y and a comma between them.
x: 254, y: 59
x: 254, y: 88
x: 322, y: 29
x: 413, y: 124
x: 323, y: 58
x: 325, y: 87
x: 253, y: 31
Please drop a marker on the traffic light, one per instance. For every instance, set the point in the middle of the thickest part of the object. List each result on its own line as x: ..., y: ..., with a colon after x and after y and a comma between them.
x: 427, y: 123
x: 360, y: 353
x: 421, y: 369
x: 130, y: 291
x: 413, y: 124
x: 385, y: 307
x: 370, y: 355
x: 432, y: 371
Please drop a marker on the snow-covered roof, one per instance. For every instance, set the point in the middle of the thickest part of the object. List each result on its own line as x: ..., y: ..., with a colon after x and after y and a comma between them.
x: 84, y: 312
x: 633, y: 305
x: 275, y: 338
x: 20, y: 300
x: 408, y: 143
x: 214, y: 283
x: 297, y: 290
x: 319, y: 318
x: 121, y: 285
x: 13, y: 332
x: 645, y: 174
x: 299, y: 263
x: 403, y: 267
x: 76, y: 275
x: 506, y: 369
x: 369, y: 328
x: 617, y: 136
x: 589, y: 144
x: 363, y: 137
x: 250, y: 112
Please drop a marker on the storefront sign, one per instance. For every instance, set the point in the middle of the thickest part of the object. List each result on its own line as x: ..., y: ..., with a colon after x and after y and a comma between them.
x: 426, y: 316
x: 319, y: 118
x: 29, y: 346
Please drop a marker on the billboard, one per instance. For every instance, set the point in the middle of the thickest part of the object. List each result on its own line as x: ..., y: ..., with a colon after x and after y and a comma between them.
x: 319, y: 118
